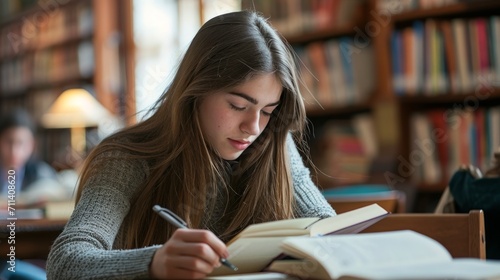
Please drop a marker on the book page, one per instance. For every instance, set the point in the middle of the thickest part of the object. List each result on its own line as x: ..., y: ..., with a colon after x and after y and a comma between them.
x: 254, y: 276
x: 340, y: 254
x: 276, y: 233
x: 456, y: 269
x: 251, y: 254
x: 264, y: 229
x: 304, y: 269
x: 353, y: 221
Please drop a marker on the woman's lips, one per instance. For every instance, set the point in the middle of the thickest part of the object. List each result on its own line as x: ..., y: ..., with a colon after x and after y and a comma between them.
x: 239, y: 145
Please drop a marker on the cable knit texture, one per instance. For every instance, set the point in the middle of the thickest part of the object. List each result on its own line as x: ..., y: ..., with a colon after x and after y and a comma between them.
x: 86, y: 249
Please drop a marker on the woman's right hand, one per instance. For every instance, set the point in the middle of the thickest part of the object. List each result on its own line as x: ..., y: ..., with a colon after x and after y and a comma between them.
x: 188, y: 254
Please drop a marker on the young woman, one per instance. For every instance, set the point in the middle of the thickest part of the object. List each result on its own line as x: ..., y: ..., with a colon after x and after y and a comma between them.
x: 217, y: 152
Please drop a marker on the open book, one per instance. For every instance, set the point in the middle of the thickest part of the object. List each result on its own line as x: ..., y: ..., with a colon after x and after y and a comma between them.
x: 256, y: 246
x: 401, y: 254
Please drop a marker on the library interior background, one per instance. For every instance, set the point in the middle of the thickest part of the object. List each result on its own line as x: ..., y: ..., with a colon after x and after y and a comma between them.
x: 400, y: 95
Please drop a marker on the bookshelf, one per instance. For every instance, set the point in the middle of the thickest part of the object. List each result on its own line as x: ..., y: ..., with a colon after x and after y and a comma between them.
x: 433, y: 91
x: 49, y: 46
x: 339, y: 82
x: 455, y: 101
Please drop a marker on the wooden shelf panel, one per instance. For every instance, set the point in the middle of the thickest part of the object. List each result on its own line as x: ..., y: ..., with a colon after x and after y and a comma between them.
x: 339, y: 111
x: 324, y: 34
x: 457, y: 9
x: 443, y: 99
x: 434, y: 187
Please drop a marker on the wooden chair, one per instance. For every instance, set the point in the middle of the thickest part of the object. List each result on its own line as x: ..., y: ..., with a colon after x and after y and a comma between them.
x: 393, y: 201
x: 461, y: 234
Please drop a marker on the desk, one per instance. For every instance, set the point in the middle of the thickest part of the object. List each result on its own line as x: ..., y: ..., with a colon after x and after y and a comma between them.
x: 463, y: 235
x: 33, y: 238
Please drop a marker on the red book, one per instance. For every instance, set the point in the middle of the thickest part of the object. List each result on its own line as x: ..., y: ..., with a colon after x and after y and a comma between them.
x: 482, y: 38
x: 480, y: 139
x: 441, y: 137
x: 450, y: 54
x: 319, y: 62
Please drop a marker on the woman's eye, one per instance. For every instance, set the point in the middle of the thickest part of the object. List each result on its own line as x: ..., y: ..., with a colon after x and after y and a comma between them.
x: 267, y: 114
x: 236, y: 107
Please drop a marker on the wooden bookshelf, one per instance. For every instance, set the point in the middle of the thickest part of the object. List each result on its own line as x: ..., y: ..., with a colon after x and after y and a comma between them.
x: 396, y: 101
x: 322, y: 44
x: 454, y: 100
x: 46, y: 48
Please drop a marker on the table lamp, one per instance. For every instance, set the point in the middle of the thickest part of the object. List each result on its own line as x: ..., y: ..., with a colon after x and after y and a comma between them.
x: 75, y: 109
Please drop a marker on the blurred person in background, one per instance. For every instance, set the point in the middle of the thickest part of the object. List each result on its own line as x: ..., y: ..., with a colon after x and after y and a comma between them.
x: 17, y: 146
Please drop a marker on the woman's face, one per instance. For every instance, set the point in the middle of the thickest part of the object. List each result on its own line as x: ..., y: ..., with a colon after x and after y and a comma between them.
x: 16, y: 146
x: 232, y: 120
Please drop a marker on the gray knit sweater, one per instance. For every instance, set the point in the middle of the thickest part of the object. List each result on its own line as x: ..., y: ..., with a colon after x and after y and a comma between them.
x: 86, y: 248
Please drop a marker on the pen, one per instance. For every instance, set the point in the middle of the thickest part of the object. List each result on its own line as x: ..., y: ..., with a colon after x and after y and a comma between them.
x: 176, y: 221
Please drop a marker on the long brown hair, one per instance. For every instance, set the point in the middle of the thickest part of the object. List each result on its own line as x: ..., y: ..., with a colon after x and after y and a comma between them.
x: 185, y: 173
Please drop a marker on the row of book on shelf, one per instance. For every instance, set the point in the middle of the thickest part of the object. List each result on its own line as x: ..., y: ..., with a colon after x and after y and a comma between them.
x: 301, y: 16
x: 443, y: 56
x: 47, y: 66
x: 47, y: 25
x: 336, y: 72
x: 345, y: 150
x: 443, y: 140
x: 409, y: 5
x: 11, y: 7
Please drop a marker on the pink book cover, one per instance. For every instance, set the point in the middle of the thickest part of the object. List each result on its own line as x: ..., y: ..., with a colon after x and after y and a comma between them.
x: 482, y: 38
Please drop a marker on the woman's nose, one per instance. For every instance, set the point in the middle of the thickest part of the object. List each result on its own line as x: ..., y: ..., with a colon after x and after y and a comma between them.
x: 251, y: 123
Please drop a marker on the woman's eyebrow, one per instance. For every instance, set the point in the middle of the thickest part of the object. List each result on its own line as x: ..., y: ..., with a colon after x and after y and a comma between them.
x: 251, y: 99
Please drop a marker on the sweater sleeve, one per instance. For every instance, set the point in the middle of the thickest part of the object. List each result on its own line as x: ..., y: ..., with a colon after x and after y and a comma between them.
x: 84, y: 250
x: 310, y: 201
